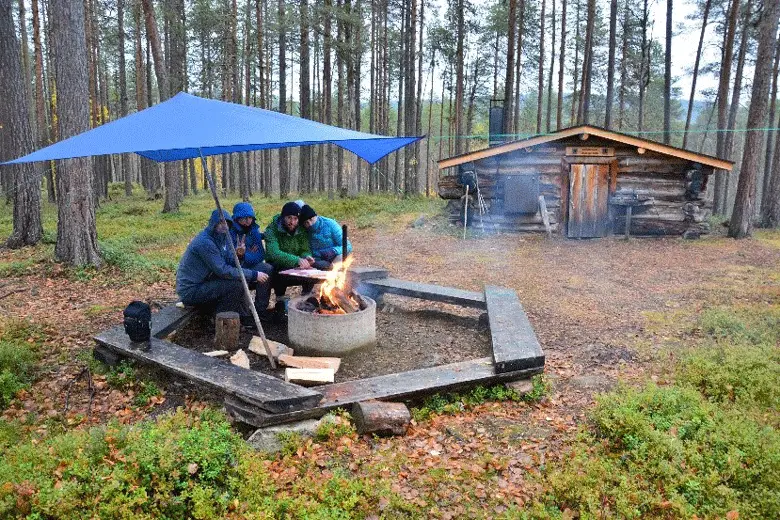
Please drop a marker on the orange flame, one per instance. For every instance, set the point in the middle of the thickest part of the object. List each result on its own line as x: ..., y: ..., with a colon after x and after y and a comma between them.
x: 336, y: 279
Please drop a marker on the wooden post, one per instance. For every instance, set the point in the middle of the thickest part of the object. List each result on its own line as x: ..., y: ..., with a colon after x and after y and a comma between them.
x: 629, y: 211
x: 227, y: 328
x: 465, y: 211
x: 381, y: 418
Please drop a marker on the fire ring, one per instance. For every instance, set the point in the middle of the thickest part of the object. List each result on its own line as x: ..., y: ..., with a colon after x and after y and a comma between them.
x: 331, y: 334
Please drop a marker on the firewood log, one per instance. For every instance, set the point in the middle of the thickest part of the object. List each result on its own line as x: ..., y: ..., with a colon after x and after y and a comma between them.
x: 381, y: 418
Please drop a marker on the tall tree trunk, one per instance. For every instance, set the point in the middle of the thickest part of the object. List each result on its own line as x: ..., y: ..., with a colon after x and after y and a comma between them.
x: 770, y: 208
x: 172, y: 177
x: 518, y: 67
x: 460, y: 145
x: 25, y: 46
x: 552, y: 70
x: 691, y: 99
x: 284, y: 172
x: 723, y: 103
x: 430, y: 129
x: 741, y: 224
x: 43, y: 137
x: 587, y: 65
x: 668, y: 75
x: 644, y: 74
x: 305, y: 184
x: 76, y: 232
x: 125, y: 161
x: 576, y: 63
x: 410, y: 119
x: 771, y: 134
x: 623, y: 68
x: 16, y: 138
x: 561, y: 68
x: 327, y: 93
x: 613, y: 7
x: 510, y: 70
x: 540, y: 82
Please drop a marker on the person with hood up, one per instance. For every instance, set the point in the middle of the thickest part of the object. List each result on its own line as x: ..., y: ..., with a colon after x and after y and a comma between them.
x: 247, y: 237
x: 287, y: 247
x: 325, y: 238
x: 205, y: 279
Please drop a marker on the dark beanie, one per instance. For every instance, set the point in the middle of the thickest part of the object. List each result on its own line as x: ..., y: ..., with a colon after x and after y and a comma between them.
x: 307, y: 212
x: 290, y: 208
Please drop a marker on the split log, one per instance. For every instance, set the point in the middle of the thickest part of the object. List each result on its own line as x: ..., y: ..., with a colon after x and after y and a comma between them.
x: 227, y: 328
x: 381, y: 418
x: 310, y: 362
x: 216, y: 353
x: 277, y: 349
x: 240, y: 359
x: 309, y: 376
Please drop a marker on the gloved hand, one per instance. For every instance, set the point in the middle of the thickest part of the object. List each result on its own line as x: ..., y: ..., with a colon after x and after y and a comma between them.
x: 328, y: 254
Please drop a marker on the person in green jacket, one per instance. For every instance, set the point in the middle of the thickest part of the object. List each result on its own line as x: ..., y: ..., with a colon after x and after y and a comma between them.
x: 287, y: 247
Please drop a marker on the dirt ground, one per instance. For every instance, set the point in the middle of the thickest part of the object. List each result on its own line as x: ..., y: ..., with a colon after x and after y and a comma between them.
x: 409, y: 337
x: 593, y: 304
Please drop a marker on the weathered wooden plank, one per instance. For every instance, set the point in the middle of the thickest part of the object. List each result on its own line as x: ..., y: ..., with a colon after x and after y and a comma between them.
x: 169, y: 318
x: 515, y: 346
x: 426, y: 291
x: 403, y: 385
x: 264, y: 391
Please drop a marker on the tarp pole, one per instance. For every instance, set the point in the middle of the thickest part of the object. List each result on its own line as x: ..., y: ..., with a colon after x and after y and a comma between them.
x: 249, y: 301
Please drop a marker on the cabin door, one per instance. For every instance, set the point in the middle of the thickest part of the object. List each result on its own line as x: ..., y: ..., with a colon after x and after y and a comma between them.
x: 588, y: 196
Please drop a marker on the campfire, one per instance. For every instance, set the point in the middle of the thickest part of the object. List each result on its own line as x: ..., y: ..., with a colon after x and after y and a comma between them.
x: 334, y: 297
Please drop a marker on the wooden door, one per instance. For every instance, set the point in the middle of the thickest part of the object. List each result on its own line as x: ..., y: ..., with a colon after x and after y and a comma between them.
x: 588, y: 197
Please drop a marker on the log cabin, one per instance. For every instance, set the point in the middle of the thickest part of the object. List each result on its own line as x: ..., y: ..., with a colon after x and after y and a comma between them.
x: 583, y: 182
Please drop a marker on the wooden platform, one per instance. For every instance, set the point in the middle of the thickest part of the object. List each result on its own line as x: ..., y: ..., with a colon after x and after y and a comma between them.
x: 426, y: 291
x: 259, y: 399
x: 388, y: 387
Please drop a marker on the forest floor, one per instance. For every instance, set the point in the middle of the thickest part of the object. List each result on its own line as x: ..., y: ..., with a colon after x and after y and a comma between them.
x: 608, y: 312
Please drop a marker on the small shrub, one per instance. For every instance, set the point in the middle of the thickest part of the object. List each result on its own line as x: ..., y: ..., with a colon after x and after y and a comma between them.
x: 121, y: 376
x: 148, y: 390
x: 17, y: 357
x: 291, y: 441
x: 339, y: 426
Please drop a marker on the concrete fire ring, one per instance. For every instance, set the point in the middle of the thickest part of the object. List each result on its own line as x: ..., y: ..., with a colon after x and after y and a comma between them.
x: 331, y: 334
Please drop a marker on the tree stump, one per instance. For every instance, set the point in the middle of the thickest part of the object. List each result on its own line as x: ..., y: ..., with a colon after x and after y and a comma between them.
x: 381, y: 418
x: 227, y: 328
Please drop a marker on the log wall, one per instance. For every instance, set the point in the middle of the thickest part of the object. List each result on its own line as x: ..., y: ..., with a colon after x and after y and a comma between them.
x: 659, y: 177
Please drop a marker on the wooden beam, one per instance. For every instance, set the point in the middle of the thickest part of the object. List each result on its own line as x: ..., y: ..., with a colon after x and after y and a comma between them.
x: 515, y: 346
x: 593, y: 131
x: 426, y: 291
x: 266, y: 392
x: 414, y: 383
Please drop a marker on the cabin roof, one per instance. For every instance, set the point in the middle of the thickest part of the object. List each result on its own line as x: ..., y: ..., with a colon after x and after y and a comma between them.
x: 704, y: 159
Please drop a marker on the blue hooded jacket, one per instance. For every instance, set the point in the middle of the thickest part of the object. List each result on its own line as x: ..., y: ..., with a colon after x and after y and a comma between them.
x: 205, y: 260
x: 255, y: 253
x: 326, y: 234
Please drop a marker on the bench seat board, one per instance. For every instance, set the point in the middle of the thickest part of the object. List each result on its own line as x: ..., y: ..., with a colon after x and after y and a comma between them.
x: 515, y: 345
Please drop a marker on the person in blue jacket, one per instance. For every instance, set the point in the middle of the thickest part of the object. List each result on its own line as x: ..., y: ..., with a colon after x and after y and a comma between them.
x: 205, y: 279
x: 246, y: 236
x: 325, y: 238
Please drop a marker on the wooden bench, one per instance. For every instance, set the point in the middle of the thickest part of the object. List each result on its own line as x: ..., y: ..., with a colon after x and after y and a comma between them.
x: 424, y: 291
x: 515, y: 346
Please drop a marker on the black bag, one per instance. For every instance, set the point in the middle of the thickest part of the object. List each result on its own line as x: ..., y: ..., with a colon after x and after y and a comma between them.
x: 138, y: 321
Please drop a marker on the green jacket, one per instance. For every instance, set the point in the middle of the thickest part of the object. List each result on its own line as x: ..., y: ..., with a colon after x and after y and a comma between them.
x: 282, y: 249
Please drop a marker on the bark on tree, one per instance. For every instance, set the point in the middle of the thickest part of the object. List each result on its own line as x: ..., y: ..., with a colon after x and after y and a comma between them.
x: 16, y: 138
x: 770, y: 209
x: 644, y: 68
x: 611, y: 64
x: 460, y: 144
x: 723, y: 103
x: 284, y: 172
x: 540, y: 82
x: 561, y: 68
x: 76, y: 232
x: 305, y: 183
x: 510, y: 69
x: 741, y: 224
x: 705, y: 17
x: 623, y: 68
x: 668, y: 75
x: 43, y: 136
x: 125, y: 162
x: 25, y: 47
x: 552, y: 69
x: 770, y: 150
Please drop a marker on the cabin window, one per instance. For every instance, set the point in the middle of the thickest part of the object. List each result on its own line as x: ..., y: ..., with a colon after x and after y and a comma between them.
x: 521, y: 193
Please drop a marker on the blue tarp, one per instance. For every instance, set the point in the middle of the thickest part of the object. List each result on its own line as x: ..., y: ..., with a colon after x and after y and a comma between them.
x: 185, y: 126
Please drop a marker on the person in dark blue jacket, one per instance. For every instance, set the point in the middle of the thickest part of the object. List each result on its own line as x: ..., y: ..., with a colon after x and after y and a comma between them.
x: 205, y: 279
x: 325, y: 238
x: 247, y: 236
